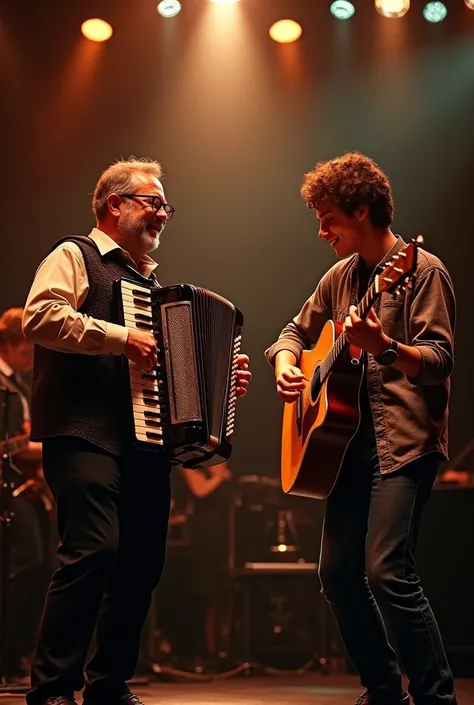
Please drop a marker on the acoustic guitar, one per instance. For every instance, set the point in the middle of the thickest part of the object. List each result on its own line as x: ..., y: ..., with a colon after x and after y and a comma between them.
x: 318, y: 427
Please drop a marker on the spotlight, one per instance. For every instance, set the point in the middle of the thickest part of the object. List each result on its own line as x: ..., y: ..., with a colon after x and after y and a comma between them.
x: 392, y: 8
x: 96, y: 30
x: 169, y: 8
x: 285, y: 31
x: 435, y: 11
x: 469, y: 4
x: 342, y: 9
x: 224, y: 2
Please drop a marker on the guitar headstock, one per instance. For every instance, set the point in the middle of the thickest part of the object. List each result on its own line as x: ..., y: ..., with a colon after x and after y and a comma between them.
x: 399, y: 270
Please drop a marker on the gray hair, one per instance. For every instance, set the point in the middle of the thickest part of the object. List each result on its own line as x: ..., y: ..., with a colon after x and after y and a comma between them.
x: 118, y: 178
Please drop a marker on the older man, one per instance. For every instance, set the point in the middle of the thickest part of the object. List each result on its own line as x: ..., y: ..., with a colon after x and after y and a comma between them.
x: 113, y: 502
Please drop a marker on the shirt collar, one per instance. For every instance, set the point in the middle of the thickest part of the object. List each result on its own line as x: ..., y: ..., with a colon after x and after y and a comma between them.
x: 397, y: 246
x: 106, y: 244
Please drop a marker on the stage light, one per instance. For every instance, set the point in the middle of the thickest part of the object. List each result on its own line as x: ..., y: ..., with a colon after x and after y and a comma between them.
x: 224, y: 2
x: 342, y: 9
x: 392, y: 8
x: 285, y: 31
x: 469, y: 4
x: 435, y: 11
x: 169, y: 8
x: 96, y: 30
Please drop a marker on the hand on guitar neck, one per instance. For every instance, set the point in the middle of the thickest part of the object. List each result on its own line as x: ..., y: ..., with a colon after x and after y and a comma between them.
x: 290, y: 380
x: 367, y: 334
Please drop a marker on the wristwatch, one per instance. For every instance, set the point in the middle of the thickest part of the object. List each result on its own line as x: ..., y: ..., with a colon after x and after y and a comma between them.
x: 389, y: 356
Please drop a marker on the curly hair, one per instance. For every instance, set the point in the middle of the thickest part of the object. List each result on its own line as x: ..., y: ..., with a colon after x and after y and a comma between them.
x: 118, y: 178
x: 10, y: 327
x: 349, y: 182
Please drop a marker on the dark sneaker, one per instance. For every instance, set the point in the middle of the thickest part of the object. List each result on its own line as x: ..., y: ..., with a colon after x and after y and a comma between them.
x: 365, y: 699
x: 129, y: 699
x: 125, y: 699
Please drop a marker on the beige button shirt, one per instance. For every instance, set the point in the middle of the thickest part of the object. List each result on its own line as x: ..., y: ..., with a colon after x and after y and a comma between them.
x: 60, y: 286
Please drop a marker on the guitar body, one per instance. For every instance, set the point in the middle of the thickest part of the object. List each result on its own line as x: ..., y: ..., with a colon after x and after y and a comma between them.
x: 318, y: 427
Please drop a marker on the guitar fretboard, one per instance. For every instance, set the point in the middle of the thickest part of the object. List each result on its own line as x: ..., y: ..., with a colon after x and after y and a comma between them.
x: 341, y: 343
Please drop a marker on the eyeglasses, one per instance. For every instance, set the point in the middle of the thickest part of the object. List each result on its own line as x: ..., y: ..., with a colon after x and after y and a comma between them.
x: 155, y: 202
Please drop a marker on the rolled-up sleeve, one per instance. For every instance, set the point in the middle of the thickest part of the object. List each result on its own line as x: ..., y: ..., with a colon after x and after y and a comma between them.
x: 304, y: 330
x: 432, y: 325
x: 51, y: 317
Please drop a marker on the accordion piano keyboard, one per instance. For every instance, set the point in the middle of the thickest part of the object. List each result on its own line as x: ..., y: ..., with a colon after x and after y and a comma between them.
x: 145, y: 386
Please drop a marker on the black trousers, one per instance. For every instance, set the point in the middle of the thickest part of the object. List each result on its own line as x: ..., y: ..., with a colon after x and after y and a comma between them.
x: 112, y: 522
x: 367, y: 559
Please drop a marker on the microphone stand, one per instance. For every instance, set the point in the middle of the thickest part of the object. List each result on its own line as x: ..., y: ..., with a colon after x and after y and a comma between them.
x: 6, y: 517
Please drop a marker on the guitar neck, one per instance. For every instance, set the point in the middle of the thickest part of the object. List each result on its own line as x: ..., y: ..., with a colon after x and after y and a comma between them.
x: 341, y: 343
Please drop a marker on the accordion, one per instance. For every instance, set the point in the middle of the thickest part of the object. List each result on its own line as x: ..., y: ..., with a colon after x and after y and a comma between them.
x: 186, y: 405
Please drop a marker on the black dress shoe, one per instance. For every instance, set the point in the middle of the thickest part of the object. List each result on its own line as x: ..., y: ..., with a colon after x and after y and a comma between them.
x: 365, y: 699
x: 130, y: 699
x: 125, y: 699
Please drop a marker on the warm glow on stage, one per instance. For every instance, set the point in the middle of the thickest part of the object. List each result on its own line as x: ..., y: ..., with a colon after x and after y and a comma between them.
x: 96, y: 30
x: 285, y: 31
x: 392, y: 8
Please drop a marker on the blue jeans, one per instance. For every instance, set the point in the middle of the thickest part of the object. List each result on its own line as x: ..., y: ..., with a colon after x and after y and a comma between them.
x: 367, y: 558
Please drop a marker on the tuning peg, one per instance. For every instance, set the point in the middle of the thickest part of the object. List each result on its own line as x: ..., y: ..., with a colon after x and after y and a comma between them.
x: 419, y: 241
x: 396, y: 257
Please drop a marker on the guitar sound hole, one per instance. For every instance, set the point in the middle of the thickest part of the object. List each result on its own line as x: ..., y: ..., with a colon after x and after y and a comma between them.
x: 315, y: 387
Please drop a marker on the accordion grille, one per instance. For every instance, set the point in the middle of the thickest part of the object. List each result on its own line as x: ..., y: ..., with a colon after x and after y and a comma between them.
x: 180, y: 355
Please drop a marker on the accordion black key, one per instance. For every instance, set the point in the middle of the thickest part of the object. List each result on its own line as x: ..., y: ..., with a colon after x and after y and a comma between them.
x: 186, y: 405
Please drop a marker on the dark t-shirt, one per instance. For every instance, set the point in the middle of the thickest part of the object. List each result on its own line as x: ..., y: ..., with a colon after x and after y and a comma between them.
x: 366, y: 427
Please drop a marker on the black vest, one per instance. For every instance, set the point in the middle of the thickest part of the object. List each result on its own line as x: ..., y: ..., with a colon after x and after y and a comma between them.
x: 83, y: 395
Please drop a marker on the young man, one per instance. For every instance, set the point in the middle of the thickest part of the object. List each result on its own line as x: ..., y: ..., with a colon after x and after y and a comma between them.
x: 373, y: 514
x: 31, y: 554
x: 112, y: 501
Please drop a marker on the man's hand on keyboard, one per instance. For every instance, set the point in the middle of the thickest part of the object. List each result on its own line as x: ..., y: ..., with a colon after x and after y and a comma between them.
x: 140, y: 348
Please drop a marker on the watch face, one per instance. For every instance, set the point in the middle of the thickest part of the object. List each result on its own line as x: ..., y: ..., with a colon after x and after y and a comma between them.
x: 388, y: 357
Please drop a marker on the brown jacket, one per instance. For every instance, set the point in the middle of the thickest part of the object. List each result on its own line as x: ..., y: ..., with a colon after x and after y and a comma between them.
x: 410, y: 415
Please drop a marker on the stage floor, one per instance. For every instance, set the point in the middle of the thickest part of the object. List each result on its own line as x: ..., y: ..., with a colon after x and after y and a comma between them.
x: 272, y: 690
